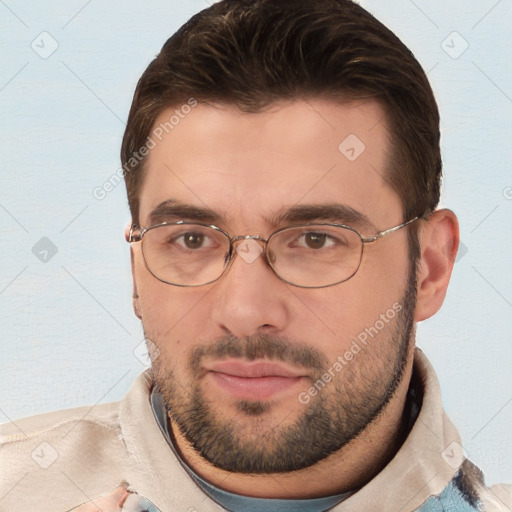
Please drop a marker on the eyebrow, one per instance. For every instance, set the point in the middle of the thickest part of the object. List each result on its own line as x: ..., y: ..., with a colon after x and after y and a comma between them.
x: 331, y: 212
x: 171, y: 210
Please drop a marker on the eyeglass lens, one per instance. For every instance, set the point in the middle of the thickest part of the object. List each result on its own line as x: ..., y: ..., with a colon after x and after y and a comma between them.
x: 308, y: 256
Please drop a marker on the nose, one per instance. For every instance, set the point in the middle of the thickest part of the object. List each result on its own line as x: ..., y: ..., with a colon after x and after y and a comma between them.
x: 249, y: 298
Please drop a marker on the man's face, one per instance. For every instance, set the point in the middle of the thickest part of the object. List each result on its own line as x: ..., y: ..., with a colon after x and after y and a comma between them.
x: 336, y: 354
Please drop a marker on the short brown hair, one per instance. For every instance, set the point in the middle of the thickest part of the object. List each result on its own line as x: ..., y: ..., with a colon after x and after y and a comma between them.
x: 252, y: 53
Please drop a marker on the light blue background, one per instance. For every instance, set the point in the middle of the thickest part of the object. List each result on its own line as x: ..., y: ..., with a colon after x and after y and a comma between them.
x: 69, y: 335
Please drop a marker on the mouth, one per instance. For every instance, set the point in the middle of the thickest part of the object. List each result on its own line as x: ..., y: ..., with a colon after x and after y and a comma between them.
x: 256, y: 380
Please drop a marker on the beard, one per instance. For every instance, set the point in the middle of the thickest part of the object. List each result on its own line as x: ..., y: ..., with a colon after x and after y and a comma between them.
x: 249, y: 442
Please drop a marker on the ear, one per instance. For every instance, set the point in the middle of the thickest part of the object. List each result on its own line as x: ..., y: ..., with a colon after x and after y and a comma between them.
x: 135, y: 295
x: 439, y: 241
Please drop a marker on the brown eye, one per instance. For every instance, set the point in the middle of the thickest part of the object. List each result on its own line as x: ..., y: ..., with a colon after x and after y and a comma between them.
x: 193, y: 240
x: 315, y: 240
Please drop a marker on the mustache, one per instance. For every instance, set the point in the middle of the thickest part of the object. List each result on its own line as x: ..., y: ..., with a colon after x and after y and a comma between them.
x: 260, y: 346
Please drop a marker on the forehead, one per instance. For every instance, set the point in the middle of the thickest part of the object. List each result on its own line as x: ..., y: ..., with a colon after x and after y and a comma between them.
x: 250, y: 167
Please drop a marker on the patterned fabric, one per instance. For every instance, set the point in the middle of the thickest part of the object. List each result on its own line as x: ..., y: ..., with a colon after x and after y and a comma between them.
x: 451, y: 499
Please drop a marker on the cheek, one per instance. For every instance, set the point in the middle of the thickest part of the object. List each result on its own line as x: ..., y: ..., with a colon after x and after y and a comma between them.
x: 167, y: 309
x: 169, y: 312
x: 175, y: 322
x: 340, y: 313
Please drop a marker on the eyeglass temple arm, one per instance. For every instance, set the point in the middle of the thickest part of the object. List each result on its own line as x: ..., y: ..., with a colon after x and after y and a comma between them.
x: 381, y: 234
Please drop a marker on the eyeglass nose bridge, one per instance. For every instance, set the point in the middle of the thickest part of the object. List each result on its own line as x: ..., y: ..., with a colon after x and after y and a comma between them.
x: 257, y: 238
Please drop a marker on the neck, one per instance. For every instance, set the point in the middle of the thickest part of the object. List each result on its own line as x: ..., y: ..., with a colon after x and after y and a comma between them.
x: 354, y: 464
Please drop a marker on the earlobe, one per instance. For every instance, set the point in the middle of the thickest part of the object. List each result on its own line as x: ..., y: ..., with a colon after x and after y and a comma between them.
x: 136, y: 308
x: 439, y: 241
x: 135, y: 293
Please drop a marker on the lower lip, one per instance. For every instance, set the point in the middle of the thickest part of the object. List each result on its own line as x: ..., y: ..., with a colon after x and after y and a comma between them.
x: 254, y: 388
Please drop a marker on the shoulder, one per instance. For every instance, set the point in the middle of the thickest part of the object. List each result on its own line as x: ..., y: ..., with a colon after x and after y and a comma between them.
x: 86, y: 420
x: 24, y: 429
x: 29, y: 440
x: 57, y: 460
x: 64, y: 455
x: 42, y: 446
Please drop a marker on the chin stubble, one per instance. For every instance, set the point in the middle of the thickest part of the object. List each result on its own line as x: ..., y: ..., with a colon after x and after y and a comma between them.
x: 339, y: 413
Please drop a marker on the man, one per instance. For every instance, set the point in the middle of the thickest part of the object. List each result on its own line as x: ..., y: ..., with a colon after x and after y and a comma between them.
x: 283, y: 171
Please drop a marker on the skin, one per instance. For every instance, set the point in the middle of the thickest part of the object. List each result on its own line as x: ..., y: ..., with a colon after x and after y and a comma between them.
x: 247, y: 168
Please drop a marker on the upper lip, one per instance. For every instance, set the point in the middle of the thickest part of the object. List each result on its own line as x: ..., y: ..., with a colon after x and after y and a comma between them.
x: 253, y: 369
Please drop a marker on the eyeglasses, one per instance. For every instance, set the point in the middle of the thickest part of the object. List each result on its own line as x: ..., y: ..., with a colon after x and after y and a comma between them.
x: 308, y: 256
